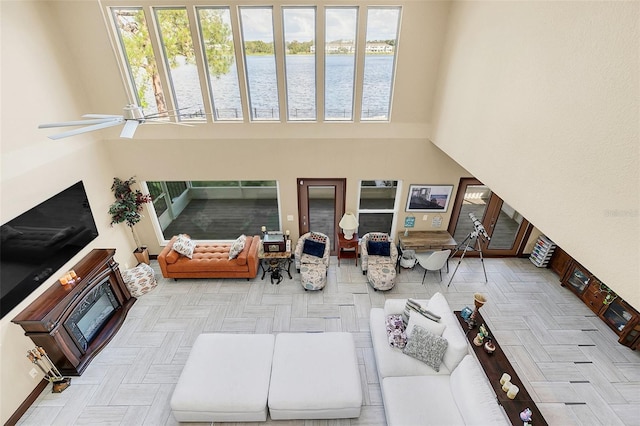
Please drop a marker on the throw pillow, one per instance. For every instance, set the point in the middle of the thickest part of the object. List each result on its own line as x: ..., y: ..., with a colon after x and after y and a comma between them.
x: 313, y: 248
x: 237, y: 246
x: 414, y: 306
x: 377, y: 236
x: 431, y: 326
x: 426, y: 347
x: 184, y: 245
x: 379, y: 248
x: 318, y: 237
x: 396, y: 331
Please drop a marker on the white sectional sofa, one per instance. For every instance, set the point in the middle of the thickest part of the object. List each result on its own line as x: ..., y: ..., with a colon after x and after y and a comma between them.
x: 415, y: 394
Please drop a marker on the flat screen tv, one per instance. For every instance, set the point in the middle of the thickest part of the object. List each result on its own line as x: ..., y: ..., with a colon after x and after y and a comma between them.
x: 37, y: 243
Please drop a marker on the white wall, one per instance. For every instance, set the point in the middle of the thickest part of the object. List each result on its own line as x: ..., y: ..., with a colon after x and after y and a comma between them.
x: 539, y: 100
x: 38, y: 85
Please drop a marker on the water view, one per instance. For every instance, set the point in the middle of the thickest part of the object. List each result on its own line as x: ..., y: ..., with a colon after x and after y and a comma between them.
x: 300, y: 86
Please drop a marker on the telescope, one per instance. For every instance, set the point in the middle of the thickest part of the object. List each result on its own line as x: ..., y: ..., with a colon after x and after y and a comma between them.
x: 478, y: 226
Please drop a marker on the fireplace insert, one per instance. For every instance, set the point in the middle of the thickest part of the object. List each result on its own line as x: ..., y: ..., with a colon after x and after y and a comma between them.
x: 93, y: 311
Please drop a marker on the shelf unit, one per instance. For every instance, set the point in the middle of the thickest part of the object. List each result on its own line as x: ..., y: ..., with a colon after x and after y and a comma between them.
x: 542, y: 252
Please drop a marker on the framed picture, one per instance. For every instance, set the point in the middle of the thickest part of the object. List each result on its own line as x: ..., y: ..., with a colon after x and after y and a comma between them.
x: 429, y: 198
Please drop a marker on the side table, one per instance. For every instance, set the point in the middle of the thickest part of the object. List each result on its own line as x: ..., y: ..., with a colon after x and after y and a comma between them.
x: 275, y: 263
x: 347, y: 248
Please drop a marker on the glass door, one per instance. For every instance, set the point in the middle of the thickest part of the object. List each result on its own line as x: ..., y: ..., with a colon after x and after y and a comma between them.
x: 507, y: 229
x: 320, y: 206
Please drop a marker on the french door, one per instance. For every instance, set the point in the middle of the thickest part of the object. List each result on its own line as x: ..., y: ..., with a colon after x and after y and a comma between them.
x: 507, y: 229
x: 320, y: 206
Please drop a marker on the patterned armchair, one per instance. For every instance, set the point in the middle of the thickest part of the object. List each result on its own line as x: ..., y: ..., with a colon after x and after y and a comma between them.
x: 312, y: 260
x: 378, y: 260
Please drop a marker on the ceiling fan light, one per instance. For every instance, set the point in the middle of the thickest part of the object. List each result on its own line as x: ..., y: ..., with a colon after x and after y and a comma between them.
x: 133, y: 112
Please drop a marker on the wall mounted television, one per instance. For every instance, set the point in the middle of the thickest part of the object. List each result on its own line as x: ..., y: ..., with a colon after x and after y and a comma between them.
x: 36, y: 244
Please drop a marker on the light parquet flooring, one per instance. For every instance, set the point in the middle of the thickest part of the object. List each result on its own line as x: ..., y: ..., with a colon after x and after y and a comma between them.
x: 569, y: 360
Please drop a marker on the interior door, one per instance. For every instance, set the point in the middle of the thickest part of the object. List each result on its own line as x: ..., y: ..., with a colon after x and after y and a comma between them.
x: 320, y: 206
x: 507, y: 229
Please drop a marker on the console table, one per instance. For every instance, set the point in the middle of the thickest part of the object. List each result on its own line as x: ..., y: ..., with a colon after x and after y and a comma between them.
x: 494, y: 365
x: 426, y: 240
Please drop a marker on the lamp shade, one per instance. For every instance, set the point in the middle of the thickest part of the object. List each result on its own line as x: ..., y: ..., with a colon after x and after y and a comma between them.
x: 349, y: 224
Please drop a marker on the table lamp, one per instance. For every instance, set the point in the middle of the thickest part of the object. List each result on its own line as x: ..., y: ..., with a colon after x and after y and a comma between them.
x: 349, y: 224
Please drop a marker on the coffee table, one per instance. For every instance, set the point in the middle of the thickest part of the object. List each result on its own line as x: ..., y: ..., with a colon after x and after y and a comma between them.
x: 494, y: 366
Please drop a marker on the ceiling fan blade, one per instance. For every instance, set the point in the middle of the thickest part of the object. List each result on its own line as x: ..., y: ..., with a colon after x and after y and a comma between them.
x: 75, y: 123
x: 129, y: 128
x: 86, y: 129
x: 102, y: 116
x: 168, y: 122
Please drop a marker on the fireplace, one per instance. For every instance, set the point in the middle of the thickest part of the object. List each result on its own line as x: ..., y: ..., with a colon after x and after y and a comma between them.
x: 74, y: 322
x: 91, y: 314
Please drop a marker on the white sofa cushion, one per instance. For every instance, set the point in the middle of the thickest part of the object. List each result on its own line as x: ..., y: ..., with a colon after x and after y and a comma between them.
x: 225, y: 379
x: 473, y: 395
x: 419, y: 400
x: 391, y: 361
x: 458, y: 343
x: 436, y: 328
x: 315, y: 376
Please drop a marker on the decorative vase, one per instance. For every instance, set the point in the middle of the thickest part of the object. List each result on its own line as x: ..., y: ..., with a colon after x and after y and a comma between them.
x: 142, y: 255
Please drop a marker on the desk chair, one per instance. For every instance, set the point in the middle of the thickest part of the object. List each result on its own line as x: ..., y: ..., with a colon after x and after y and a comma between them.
x: 433, y: 261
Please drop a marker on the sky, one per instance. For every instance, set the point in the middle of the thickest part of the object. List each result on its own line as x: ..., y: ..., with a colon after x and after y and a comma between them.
x: 299, y: 23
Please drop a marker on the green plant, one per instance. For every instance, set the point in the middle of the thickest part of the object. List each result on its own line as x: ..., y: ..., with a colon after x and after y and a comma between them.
x: 128, y: 206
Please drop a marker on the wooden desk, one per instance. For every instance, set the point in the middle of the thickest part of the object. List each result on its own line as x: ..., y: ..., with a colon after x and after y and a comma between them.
x: 496, y: 364
x: 347, y: 248
x: 426, y: 240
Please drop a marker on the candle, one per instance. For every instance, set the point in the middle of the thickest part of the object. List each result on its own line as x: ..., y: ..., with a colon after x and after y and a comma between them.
x: 287, y: 232
x: 264, y: 229
x: 505, y: 378
x: 63, y: 280
x: 513, y: 391
x: 506, y: 386
x: 72, y: 273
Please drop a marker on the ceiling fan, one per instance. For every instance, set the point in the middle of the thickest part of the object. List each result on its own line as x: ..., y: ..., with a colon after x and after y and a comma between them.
x: 132, y: 117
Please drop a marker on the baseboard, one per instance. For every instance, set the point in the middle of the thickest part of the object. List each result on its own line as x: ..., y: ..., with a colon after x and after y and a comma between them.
x: 27, y: 403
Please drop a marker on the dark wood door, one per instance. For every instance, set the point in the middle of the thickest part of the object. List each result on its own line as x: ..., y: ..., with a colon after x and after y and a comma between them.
x: 506, y: 228
x: 320, y: 206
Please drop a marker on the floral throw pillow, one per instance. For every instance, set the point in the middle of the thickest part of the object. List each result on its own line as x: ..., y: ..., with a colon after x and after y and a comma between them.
x: 396, y: 331
x: 237, y: 246
x: 184, y: 245
x: 426, y: 346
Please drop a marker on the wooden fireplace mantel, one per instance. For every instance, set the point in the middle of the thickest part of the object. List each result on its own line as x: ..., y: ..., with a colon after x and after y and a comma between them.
x: 43, y: 320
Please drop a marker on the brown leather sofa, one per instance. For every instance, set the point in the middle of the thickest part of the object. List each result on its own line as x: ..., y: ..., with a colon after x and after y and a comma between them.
x: 211, y: 260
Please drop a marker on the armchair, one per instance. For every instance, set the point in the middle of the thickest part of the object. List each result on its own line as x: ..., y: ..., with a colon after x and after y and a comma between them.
x: 378, y: 259
x: 312, y: 260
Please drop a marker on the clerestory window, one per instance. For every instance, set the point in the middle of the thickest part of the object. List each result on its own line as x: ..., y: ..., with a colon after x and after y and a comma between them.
x: 260, y: 63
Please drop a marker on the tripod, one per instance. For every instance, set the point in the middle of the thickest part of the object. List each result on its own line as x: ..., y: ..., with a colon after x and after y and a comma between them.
x: 472, y: 237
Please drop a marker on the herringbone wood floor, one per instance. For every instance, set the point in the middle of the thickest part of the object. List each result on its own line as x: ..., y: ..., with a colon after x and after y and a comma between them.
x: 569, y: 359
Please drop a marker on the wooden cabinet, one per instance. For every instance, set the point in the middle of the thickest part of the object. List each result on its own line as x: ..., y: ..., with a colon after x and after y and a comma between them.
x: 576, y: 278
x: 621, y: 317
x: 559, y: 262
x: 593, y: 296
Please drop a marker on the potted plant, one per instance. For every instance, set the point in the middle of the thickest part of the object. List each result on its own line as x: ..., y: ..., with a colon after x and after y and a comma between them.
x: 127, y: 209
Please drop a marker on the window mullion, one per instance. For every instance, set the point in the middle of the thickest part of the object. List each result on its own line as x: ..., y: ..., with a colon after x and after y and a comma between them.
x: 158, y: 51
x: 278, y: 50
x: 320, y: 62
x: 200, y: 62
x: 243, y: 79
x: 361, y: 45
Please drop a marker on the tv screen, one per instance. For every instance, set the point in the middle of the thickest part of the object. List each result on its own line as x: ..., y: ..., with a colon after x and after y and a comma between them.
x: 37, y: 243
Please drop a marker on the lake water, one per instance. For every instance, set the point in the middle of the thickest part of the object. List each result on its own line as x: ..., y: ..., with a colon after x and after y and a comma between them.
x: 301, y: 88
